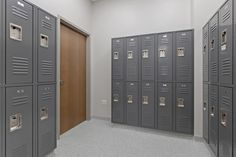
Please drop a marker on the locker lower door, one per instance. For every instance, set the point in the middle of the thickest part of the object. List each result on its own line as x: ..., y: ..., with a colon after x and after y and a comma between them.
x: 148, y: 111
x: 213, y: 118
x: 46, y: 119
x: 225, y: 122
x: 205, y: 112
x: 132, y: 103
x: 2, y: 126
x: 19, y: 121
x: 184, y: 108
x: 164, y: 109
x: 117, y: 102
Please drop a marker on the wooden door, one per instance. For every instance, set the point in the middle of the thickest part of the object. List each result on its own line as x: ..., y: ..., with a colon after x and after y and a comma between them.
x: 73, y: 79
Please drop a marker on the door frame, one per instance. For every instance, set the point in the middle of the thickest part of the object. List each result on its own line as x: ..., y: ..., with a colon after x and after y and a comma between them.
x: 64, y: 21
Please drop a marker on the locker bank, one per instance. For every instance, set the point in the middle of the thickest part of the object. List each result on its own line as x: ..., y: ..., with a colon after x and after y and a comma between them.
x: 109, y: 78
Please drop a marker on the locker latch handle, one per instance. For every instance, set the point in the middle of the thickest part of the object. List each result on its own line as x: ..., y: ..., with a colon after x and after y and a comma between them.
x: 130, y: 99
x: 162, y: 101
x: 224, y: 37
x: 180, y: 103
x: 145, y: 54
x: 130, y: 54
x: 212, y: 43
x: 15, y: 122
x: 44, y: 113
x: 116, y: 55
x: 204, y: 106
x: 212, y: 114
x: 162, y: 53
x: 204, y: 49
x: 223, y: 119
x: 44, y: 40
x: 15, y: 32
x: 145, y: 100
x: 180, y: 52
x: 116, y: 98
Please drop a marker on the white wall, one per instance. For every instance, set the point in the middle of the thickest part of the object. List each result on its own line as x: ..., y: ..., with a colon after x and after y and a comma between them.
x: 76, y: 11
x: 203, y: 10
x: 117, y: 18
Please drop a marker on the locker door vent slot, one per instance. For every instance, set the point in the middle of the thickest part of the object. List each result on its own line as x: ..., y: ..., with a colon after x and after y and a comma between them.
x: 15, y: 32
x: 15, y: 122
x: 130, y: 55
x: 180, y: 103
x: 212, y: 113
x: 145, y: 100
x: 162, y: 53
x: 44, y: 40
x: 180, y: 52
x: 145, y: 54
x: 44, y: 113
x: 223, y: 120
x: 116, y: 98
x: 116, y: 55
x: 162, y: 101
x: 130, y: 99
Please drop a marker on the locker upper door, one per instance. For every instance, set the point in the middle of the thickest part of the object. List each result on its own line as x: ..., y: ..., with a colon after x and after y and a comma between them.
x: 46, y: 47
x: 19, y: 42
x: 132, y: 102
x: 184, y: 56
x: 147, y: 48
x: 226, y: 43
x: 205, y: 53
x: 213, y: 49
x: 132, y: 60
x: 117, y: 58
x: 117, y: 101
x: 19, y: 122
x: 225, y: 122
x: 164, y: 57
x: 165, y: 106
x: 184, y: 108
x: 205, y: 111
x: 1, y: 44
x: 46, y: 119
x: 148, y: 112
x: 213, y: 117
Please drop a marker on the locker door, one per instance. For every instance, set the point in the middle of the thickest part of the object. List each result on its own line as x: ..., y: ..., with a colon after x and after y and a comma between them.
x: 2, y: 127
x: 184, y: 56
x: 117, y: 58
x: 46, y: 47
x: 148, y: 111
x: 46, y: 119
x: 225, y: 122
x: 148, y: 65
x: 226, y: 43
x: 132, y: 71
x: 213, y: 49
x: 205, y: 53
x: 19, y: 45
x: 19, y: 121
x: 117, y: 101
x: 205, y: 112
x: 164, y: 109
x: 184, y: 108
x: 165, y: 53
x: 132, y: 102
x: 213, y: 118
x: 1, y: 44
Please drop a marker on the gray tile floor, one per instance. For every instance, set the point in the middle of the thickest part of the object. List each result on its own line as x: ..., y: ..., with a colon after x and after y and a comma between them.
x: 99, y: 138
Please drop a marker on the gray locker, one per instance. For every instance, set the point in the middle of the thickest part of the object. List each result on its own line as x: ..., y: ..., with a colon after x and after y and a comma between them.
x: 184, y: 56
x: 213, y: 118
x: 213, y: 49
x: 46, y: 119
x: 2, y: 126
x: 132, y: 59
x: 165, y: 106
x: 164, y: 57
x: 118, y: 58
x: 132, y: 103
x: 46, y: 52
x: 19, y: 121
x: 1, y: 43
x: 148, y: 57
x: 19, y: 45
x: 226, y: 43
x: 184, y: 108
x: 148, y: 109
x: 225, y: 122
x: 205, y: 53
x: 117, y: 101
x: 205, y: 112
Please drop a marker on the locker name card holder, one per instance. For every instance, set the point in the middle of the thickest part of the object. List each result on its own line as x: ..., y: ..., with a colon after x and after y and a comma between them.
x: 15, y: 122
x: 15, y: 32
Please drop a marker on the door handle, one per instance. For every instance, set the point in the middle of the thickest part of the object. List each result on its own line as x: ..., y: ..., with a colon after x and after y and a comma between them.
x: 62, y: 82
